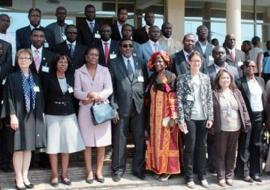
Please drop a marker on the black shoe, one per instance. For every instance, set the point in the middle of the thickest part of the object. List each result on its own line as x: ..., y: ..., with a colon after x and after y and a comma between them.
x: 65, y: 181
x: 19, y: 188
x: 100, y: 180
x: 139, y: 175
x: 54, y: 184
x: 89, y: 181
x: 257, y: 178
x: 29, y: 186
x: 116, y: 177
x: 248, y: 179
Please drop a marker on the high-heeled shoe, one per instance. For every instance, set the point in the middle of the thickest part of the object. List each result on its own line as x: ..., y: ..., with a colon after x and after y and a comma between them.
x: 19, y: 188
x: 29, y: 186
x: 65, y: 181
x: 100, y: 180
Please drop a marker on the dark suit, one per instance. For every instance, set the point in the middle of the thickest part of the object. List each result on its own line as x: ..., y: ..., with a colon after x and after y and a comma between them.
x: 249, y: 149
x: 140, y: 35
x: 78, y: 57
x: 57, y: 103
x: 116, y: 34
x: 207, y: 53
x: 180, y: 65
x: 85, y: 36
x: 113, y: 51
x: 128, y: 99
x: 23, y: 37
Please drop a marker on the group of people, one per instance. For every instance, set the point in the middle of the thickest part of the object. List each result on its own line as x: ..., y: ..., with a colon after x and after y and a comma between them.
x: 188, y: 110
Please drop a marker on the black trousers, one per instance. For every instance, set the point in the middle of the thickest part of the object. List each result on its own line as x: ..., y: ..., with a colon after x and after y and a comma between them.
x: 135, y: 122
x: 195, y: 149
x: 255, y: 146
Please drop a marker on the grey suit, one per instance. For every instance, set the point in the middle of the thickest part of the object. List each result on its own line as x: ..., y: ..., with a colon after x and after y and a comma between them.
x: 207, y: 53
x: 127, y: 98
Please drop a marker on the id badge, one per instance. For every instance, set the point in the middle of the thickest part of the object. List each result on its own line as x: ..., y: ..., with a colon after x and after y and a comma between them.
x: 112, y: 55
x: 140, y: 78
x: 190, y: 98
x: 36, y: 89
x: 45, y: 69
x: 4, y: 81
x: 46, y: 44
x: 64, y: 36
x: 70, y: 90
x: 97, y: 35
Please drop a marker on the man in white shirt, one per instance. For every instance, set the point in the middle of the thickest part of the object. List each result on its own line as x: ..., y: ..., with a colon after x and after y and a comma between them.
x: 122, y: 16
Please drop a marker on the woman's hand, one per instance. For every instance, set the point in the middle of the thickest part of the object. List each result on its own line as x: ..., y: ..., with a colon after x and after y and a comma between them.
x: 183, y: 127
x: 88, y: 101
x: 94, y: 96
x: 14, y: 122
x: 209, y: 124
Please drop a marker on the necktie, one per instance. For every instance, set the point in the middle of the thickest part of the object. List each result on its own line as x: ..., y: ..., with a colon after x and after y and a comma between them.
x: 106, y: 51
x: 92, y: 27
x: 129, y: 68
x: 71, y: 50
x: 37, y: 59
x: 233, y: 55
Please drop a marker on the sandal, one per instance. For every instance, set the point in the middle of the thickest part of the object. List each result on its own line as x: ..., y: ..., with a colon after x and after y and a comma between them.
x: 65, y: 180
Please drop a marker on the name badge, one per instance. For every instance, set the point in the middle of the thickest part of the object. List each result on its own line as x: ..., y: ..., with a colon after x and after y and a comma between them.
x: 46, y: 44
x: 190, y: 98
x: 36, y: 88
x: 70, y: 90
x: 64, y: 36
x: 112, y: 55
x: 140, y: 79
x: 97, y: 35
x: 45, y: 69
x: 4, y: 81
x: 240, y: 63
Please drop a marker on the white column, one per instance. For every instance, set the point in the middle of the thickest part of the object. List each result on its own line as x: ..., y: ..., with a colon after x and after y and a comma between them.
x: 175, y: 14
x: 233, y: 18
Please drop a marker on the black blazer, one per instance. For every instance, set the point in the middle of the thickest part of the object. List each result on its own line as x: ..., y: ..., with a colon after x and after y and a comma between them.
x: 23, y: 37
x: 78, y: 58
x: 116, y: 34
x: 181, y: 66
x: 243, y: 87
x: 57, y: 102
x: 140, y: 35
x: 85, y: 36
x: 114, y: 49
x: 127, y: 91
x: 7, y: 54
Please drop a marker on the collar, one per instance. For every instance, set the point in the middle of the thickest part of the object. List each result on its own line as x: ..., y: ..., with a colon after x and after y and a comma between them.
x: 230, y: 50
x: 34, y: 49
x: 73, y: 43
x: 127, y: 58
x: 165, y: 38
x: 119, y: 25
x: 32, y: 27
x: 109, y: 42
x: 218, y: 67
x: 89, y: 22
x: 201, y: 44
x: 186, y: 53
x: 152, y: 42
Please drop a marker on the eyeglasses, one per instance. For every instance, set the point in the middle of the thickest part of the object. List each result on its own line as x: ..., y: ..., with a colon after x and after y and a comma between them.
x: 127, y: 45
x: 24, y: 58
x: 252, y: 66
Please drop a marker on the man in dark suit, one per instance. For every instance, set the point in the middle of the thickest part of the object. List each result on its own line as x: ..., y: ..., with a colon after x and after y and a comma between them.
x: 128, y: 77
x: 42, y: 56
x: 23, y: 34
x: 233, y: 55
x: 141, y: 34
x: 88, y: 30
x: 180, y: 63
x: 108, y: 48
x: 72, y: 47
x: 122, y: 16
x: 203, y: 46
x: 5, y: 134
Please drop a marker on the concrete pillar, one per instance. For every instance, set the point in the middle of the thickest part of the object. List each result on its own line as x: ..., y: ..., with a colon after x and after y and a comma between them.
x: 207, y: 17
x: 233, y: 18
x: 176, y: 16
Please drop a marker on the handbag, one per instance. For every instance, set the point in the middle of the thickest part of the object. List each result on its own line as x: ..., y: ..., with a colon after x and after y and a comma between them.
x: 102, y: 112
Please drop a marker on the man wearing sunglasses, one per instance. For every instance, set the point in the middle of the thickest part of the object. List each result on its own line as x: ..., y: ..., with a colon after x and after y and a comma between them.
x: 128, y: 78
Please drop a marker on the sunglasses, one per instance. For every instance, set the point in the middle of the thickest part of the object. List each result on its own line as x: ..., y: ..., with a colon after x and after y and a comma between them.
x: 127, y: 45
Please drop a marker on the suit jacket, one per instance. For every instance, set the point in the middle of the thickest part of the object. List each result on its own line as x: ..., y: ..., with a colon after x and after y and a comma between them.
x: 128, y: 91
x: 46, y: 61
x: 140, y: 35
x: 23, y: 37
x: 232, y: 69
x: 180, y: 65
x: 147, y: 51
x: 78, y: 57
x: 244, y: 116
x: 57, y: 102
x: 207, y: 53
x: 185, y: 90
x: 113, y: 53
x: 238, y: 57
x: 116, y: 34
x: 86, y: 37
x: 6, y: 59
x: 243, y: 87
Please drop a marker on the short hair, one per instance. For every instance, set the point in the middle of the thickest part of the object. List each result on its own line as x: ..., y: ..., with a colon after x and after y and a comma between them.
x: 188, y: 34
x: 61, y: 7
x: 4, y: 15
x: 37, y: 29
x: 57, y: 58
x: 122, y: 40
x: 120, y: 9
x: 89, y: 49
x: 89, y: 6
x: 19, y: 52
x: 247, y: 62
x: 69, y: 26
x: 193, y: 53
x: 217, y: 87
x: 255, y: 40
x: 34, y: 9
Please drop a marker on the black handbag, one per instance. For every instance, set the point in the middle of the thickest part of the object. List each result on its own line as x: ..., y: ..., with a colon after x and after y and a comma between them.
x: 102, y: 112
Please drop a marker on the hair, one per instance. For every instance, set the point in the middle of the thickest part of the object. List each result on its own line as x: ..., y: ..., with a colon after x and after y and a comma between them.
x: 247, y: 62
x: 88, y: 50
x: 217, y: 87
x: 57, y: 58
x: 214, y: 40
x: 59, y: 8
x: 164, y: 56
x: 19, y: 52
x: 120, y: 9
x: 193, y: 53
x: 255, y: 40
x: 37, y: 29
x: 201, y: 26
x: 188, y: 34
x: 69, y: 26
x: 122, y: 40
x: 89, y: 6
x: 34, y: 9
x: 4, y: 15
